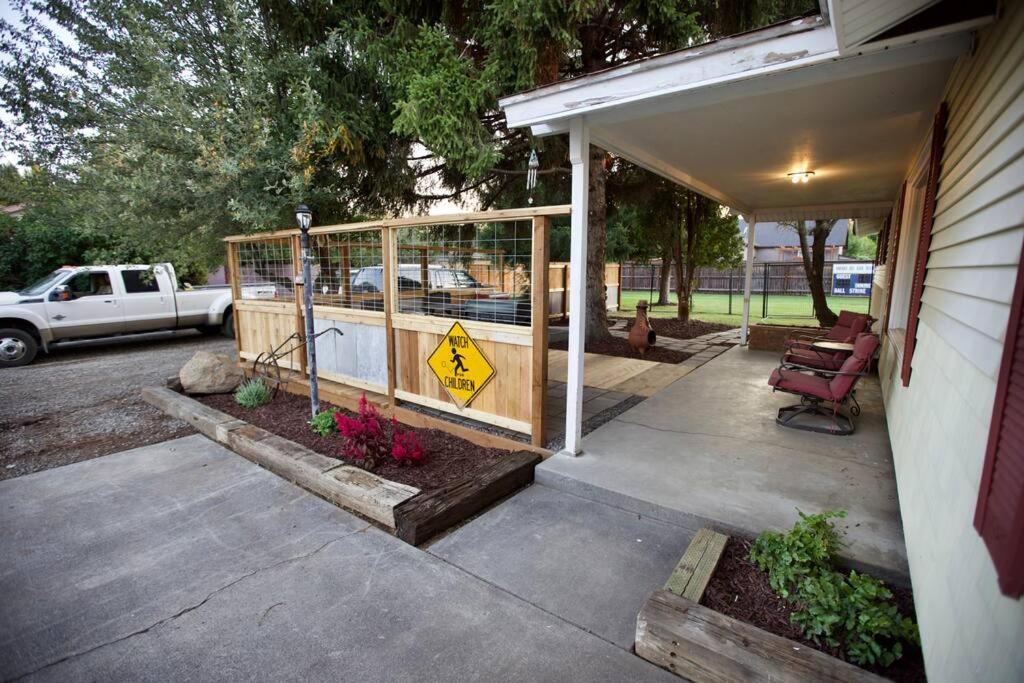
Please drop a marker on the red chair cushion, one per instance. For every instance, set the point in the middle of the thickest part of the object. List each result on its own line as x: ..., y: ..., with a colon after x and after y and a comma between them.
x: 800, y: 383
x: 814, y: 359
x: 863, y: 350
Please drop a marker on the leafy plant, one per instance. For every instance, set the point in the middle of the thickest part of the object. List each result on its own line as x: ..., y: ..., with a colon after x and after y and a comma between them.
x: 855, y: 610
x: 406, y: 447
x: 252, y: 394
x: 324, y: 424
x: 369, y: 438
x: 787, y: 558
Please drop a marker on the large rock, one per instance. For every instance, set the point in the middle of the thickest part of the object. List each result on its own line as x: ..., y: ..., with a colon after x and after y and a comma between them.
x: 210, y: 373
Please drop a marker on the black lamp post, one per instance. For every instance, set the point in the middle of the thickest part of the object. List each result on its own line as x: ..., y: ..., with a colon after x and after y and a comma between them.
x: 305, y: 218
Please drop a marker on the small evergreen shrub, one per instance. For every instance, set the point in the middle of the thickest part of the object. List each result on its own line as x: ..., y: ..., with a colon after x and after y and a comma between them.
x: 855, y: 610
x: 252, y: 393
x: 324, y: 424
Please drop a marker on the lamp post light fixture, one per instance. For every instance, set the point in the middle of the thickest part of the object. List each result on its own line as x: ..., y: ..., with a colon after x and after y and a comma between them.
x: 305, y: 218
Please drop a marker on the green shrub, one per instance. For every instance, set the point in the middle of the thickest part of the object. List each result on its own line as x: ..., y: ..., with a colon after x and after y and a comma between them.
x: 811, y: 543
x: 324, y: 424
x: 855, y: 609
x: 252, y: 394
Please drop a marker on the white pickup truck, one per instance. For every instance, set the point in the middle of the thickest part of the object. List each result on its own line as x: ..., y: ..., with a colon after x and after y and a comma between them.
x: 103, y: 301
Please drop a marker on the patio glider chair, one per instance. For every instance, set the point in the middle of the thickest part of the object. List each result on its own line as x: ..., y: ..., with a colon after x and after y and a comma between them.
x: 800, y: 351
x: 824, y: 392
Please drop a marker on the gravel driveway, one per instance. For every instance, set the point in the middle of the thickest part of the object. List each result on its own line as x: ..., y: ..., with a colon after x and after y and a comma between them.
x: 82, y: 401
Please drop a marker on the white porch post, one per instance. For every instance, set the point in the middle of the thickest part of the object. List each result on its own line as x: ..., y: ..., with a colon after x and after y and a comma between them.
x: 748, y: 278
x: 579, y: 155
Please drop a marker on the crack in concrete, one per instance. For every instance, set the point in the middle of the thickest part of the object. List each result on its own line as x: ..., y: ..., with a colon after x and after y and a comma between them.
x: 191, y: 608
x: 718, y: 436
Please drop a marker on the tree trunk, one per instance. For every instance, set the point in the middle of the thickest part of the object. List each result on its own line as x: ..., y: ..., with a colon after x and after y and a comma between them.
x: 694, y: 211
x: 682, y: 298
x: 664, y: 277
x: 597, y: 307
x: 814, y: 268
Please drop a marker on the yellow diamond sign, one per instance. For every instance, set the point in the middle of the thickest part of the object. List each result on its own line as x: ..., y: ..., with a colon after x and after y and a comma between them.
x: 461, y: 366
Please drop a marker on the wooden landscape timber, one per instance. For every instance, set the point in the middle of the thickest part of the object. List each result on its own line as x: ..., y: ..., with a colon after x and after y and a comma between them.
x: 691, y: 576
x: 704, y: 646
x: 423, y: 516
x: 352, y: 488
x: 413, y: 515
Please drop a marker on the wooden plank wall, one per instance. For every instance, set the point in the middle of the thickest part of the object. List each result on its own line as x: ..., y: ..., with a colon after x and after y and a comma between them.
x: 262, y: 326
x: 514, y: 398
x: 558, y: 278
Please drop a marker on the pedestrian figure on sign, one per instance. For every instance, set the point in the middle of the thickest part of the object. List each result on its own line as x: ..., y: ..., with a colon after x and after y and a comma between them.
x: 457, y: 358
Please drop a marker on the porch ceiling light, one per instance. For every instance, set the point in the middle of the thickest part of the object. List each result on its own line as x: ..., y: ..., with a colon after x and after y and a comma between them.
x: 800, y: 176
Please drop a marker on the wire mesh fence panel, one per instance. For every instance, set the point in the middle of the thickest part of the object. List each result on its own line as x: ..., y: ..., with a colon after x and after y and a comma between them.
x: 468, y: 271
x: 348, y: 270
x: 266, y: 269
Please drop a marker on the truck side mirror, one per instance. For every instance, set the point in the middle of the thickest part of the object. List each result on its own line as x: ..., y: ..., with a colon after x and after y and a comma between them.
x: 60, y: 293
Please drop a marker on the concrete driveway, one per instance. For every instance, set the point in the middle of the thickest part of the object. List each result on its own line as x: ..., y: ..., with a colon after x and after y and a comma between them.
x: 182, y: 561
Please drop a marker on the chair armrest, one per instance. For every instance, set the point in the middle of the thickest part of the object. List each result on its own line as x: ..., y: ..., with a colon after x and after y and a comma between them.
x: 818, y: 371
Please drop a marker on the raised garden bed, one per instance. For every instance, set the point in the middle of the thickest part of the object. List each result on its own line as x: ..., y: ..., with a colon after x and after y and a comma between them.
x: 677, y: 329
x: 620, y: 348
x: 458, y: 480
x: 450, y: 458
x: 740, y: 590
x: 718, y: 619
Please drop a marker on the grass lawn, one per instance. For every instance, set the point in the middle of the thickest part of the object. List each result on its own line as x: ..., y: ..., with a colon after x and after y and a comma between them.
x: 714, y: 308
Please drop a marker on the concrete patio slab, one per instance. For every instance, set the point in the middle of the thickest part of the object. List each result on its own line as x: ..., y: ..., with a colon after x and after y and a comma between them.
x: 182, y: 561
x: 590, y: 563
x: 706, y: 449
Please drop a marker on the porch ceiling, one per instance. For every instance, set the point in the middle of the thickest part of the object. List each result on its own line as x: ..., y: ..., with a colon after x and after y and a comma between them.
x: 856, y: 121
x: 858, y: 136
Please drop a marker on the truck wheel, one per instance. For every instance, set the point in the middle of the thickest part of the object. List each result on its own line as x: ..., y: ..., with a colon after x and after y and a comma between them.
x: 17, y: 347
x: 227, y: 328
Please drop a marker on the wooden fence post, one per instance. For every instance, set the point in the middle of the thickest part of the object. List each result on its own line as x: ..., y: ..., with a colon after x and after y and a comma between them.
x: 539, y: 320
x: 234, y: 278
x: 388, y: 246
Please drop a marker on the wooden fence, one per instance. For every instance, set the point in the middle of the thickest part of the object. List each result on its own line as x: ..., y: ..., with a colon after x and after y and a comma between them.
x: 558, y: 288
x: 393, y: 288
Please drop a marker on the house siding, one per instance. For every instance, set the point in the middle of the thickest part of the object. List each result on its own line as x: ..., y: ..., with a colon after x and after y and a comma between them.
x: 939, y: 425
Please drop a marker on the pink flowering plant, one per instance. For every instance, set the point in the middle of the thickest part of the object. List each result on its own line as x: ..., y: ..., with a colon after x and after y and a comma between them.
x: 370, y: 439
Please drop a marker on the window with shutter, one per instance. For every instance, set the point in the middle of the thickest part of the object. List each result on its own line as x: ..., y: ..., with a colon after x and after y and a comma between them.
x: 925, y: 238
x: 999, y: 517
x: 891, y: 261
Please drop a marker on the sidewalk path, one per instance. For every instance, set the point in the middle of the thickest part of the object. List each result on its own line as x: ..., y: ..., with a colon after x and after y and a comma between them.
x: 182, y: 561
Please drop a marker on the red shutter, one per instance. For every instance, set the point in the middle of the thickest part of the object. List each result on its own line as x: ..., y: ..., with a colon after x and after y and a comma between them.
x: 891, y: 263
x: 999, y: 517
x: 925, y: 239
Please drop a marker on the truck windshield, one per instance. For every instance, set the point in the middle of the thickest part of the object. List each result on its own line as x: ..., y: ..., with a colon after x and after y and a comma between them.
x: 43, y: 284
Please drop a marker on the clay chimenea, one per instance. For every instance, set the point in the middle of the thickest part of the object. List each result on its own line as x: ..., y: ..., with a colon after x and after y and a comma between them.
x: 641, y: 336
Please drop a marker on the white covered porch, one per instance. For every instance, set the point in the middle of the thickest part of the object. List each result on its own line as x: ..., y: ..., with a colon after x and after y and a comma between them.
x: 736, y: 118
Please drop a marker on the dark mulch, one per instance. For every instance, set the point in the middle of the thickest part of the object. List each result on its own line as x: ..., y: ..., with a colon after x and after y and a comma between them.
x: 677, y: 329
x: 616, y: 346
x: 449, y: 458
x: 740, y: 590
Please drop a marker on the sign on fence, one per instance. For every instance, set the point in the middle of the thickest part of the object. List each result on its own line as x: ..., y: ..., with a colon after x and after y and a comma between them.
x: 460, y: 365
x: 852, y: 279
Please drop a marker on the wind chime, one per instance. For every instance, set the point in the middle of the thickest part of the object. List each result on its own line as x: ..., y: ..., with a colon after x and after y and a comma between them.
x: 531, y: 175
